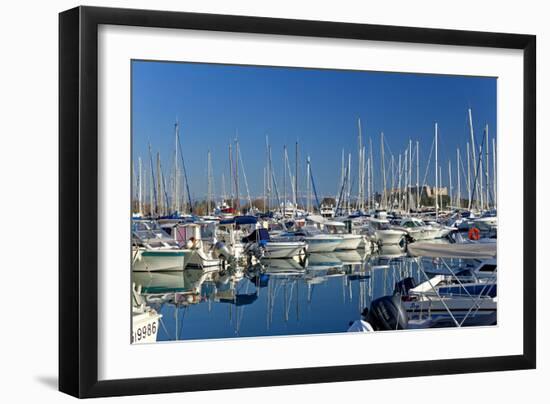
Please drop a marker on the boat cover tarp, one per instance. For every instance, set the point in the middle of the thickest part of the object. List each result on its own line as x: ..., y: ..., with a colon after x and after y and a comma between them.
x: 454, y: 250
x: 240, y: 220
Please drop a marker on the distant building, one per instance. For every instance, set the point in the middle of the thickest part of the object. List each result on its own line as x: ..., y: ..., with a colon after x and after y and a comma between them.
x: 425, y: 190
x: 432, y: 191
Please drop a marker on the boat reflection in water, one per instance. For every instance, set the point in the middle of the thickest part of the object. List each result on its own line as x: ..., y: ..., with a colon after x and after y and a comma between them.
x: 323, y: 294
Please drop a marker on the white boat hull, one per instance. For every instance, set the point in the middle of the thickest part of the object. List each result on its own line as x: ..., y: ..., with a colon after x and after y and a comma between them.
x: 199, y: 259
x: 284, y: 249
x: 429, y: 233
x: 315, y: 244
x: 145, y: 327
x: 158, y: 260
x: 387, y: 237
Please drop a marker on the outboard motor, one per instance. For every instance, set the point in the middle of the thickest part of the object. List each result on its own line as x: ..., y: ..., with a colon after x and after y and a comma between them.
x: 222, y: 251
x: 403, y: 286
x: 388, y: 313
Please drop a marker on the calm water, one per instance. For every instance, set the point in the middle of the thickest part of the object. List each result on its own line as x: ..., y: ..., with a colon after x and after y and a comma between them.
x: 280, y: 298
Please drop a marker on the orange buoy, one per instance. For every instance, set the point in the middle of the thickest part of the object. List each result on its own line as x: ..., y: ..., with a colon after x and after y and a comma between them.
x: 473, y: 233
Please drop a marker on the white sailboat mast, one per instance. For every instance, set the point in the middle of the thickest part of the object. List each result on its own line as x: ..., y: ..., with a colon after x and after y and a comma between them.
x: 159, y: 187
x: 371, y: 159
x: 359, y: 164
x: 405, y: 180
x: 363, y: 176
x: 349, y: 182
x: 450, y: 185
x: 264, y: 189
x: 284, y: 181
x: 440, y: 185
x: 458, y: 178
x: 224, y: 195
x: 399, y: 183
x: 409, y: 188
x: 473, y: 153
x: 487, y: 188
x: 481, y: 193
x: 238, y: 150
x: 231, y: 175
x: 268, y: 173
x: 494, y: 175
x: 308, y: 186
x: 237, y: 196
x: 296, y: 167
x: 209, y: 187
x: 176, y: 193
x: 342, y: 170
x: 140, y: 192
x: 392, y: 187
x: 417, y: 176
x: 436, y: 178
x: 469, y: 183
x: 151, y: 193
x: 369, y: 200
x: 383, y: 168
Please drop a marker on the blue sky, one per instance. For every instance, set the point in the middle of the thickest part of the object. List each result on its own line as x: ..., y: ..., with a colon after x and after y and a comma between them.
x: 319, y: 108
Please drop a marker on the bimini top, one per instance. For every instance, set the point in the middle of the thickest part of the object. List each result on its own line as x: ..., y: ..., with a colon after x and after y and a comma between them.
x: 454, y: 250
x: 257, y: 236
x: 240, y: 220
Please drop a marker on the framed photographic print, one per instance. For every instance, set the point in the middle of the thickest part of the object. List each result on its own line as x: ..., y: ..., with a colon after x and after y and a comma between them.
x: 251, y: 201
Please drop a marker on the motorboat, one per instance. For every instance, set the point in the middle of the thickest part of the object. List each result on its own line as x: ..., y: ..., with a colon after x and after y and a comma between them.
x: 485, y: 269
x: 380, y: 232
x: 260, y: 245
x: 460, y: 296
x: 231, y: 231
x: 465, y: 250
x: 349, y: 241
x: 154, y: 250
x: 206, y: 252
x: 417, y: 230
x: 443, y: 294
x: 316, y: 240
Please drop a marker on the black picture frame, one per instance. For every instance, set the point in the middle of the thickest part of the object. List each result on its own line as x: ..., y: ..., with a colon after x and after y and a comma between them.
x: 78, y: 200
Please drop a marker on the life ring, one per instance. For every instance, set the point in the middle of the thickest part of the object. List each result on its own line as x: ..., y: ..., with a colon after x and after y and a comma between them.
x: 473, y: 233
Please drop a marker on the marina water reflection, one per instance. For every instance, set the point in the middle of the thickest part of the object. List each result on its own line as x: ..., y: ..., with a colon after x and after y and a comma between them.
x: 322, y: 294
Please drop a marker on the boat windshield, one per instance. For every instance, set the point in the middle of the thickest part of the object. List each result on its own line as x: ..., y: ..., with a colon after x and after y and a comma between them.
x: 379, y: 225
x: 208, y: 231
x: 153, y: 238
x: 311, y: 231
x: 412, y: 223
